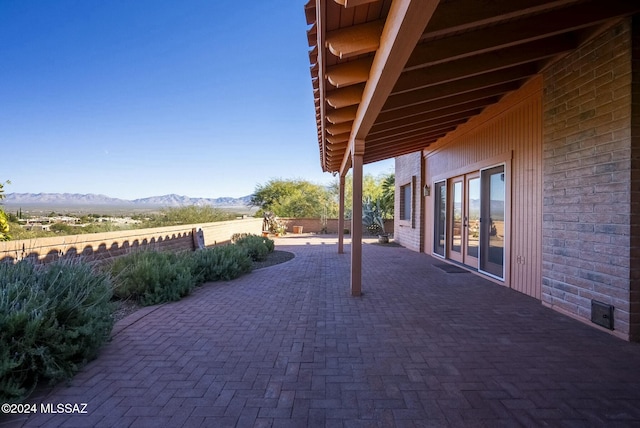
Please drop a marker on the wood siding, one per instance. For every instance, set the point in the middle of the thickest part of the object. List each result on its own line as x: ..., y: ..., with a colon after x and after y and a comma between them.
x: 510, y: 132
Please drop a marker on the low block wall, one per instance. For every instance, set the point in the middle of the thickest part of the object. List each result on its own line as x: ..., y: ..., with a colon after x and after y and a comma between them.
x: 315, y: 225
x: 100, y: 246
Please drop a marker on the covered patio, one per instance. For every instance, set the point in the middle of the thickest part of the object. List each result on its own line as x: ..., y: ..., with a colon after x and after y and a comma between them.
x: 285, y: 346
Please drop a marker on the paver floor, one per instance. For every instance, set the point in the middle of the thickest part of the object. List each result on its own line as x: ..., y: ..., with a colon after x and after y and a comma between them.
x: 287, y: 346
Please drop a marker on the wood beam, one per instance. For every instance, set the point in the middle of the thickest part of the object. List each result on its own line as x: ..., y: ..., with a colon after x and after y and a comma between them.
x: 353, y: 3
x: 404, y: 150
x: 355, y: 40
x: 517, y: 73
x: 320, y: 12
x: 424, y: 124
x: 404, y: 26
x: 349, y: 73
x: 433, y: 114
x: 431, y: 126
x: 456, y: 99
x: 346, y: 96
x: 336, y: 139
x: 356, y: 218
x: 341, y: 115
x: 462, y: 15
x: 339, y: 128
x: 484, y: 63
x: 341, y: 215
x: 516, y: 32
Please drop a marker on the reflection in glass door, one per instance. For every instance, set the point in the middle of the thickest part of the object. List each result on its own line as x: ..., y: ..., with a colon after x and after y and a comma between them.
x: 472, y: 220
x: 464, y: 219
x: 492, y: 221
x: 440, y: 216
x: 456, y: 220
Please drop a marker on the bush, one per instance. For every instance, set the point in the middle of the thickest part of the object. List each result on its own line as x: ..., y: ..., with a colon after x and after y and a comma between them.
x: 152, y: 277
x: 257, y: 247
x: 221, y: 263
x: 53, y: 319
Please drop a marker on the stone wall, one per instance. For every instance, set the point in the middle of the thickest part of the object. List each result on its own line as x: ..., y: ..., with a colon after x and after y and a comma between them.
x: 587, y: 150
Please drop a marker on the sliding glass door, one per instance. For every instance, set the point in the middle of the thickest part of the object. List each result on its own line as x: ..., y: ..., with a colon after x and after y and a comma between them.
x: 440, y: 215
x: 492, y: 221
x: 469, y: 220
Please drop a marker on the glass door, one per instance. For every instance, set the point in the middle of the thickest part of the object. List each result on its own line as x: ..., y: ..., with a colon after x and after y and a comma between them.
x: 472, y: 220
x: 440, y: 217
x: 456, y: 222
x: 463, y: 229
x: 492, y: 219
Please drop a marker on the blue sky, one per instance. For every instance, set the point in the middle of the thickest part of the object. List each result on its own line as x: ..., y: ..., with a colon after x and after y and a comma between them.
x: 135, y: 98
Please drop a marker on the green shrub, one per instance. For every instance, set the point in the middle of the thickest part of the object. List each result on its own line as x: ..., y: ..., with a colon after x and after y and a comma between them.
x: 236, y: 236
x: 256, y: 246
x: 221, y: 263
x: 152, y: 277
x: 53, y: 319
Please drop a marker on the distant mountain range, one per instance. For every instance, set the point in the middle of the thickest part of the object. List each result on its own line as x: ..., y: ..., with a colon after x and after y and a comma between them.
x: 75, y: 199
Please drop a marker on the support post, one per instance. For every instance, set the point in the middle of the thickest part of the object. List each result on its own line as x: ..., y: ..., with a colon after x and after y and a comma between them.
x: 341, y: 216
x: 356, y: 220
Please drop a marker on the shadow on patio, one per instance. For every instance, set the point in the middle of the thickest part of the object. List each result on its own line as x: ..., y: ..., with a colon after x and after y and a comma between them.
x: 288, y: 346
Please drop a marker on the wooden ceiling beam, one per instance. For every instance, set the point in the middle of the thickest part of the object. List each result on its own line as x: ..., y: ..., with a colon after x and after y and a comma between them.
x: 337, y: 139
x: 409, y: 139
x: 339, y: 128
x: 517, y: 73
x: 456, y: 99
x: 353, y: 3
x: 484, y: 63
x: 404, y: 26
x: 349, y: 73
x: 347, y: 96
x: 341, y: 115
x: 440, y: 114
x: 487, y: 39
x: 431, y: 125
x: 399, y: 152
x: 355, y: 40
x: 461, y: 15
x: 383, y: 151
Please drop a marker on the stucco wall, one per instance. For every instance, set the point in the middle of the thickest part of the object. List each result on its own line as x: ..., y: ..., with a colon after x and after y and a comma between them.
x: 100, y: 246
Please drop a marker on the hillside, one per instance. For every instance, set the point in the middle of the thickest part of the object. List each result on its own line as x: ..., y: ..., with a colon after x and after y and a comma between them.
x: 55, y: 200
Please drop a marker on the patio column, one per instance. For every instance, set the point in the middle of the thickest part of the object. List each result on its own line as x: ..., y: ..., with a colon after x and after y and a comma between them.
x: 341, y: 217
x: 356, y: 219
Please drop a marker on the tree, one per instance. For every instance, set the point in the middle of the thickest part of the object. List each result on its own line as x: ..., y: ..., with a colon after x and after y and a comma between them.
x: 380, y: 188
x: 4, y: 221
x: 292, y: 198
x: 388, y: 197
x: 190, y: 214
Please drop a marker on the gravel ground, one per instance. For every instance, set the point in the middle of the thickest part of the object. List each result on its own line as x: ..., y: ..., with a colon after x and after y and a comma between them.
x: 125, y: 308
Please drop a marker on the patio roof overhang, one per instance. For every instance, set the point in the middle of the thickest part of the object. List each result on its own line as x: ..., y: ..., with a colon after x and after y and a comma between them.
x: 392, y: 77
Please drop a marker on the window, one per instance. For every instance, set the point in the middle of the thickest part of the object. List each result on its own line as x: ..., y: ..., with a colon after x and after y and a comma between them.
x: 405, y: 202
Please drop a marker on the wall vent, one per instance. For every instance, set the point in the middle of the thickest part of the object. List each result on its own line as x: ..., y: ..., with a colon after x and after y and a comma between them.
x: 602, y: 314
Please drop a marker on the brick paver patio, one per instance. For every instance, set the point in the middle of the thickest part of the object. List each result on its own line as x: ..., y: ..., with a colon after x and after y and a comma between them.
x: 287, y: 346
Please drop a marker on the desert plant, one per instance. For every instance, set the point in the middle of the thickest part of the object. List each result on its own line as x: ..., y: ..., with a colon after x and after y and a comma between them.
x: 372, y: 217
x: 221, y: 263
x: 257, y: 247
x: 53, y: 319
x: 152, y: 277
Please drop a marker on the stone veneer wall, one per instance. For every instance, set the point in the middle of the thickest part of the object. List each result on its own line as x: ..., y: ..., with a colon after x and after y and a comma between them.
x: 588, y: 168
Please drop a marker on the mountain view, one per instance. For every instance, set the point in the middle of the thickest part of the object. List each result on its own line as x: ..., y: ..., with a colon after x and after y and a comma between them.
x: 55, y: 200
